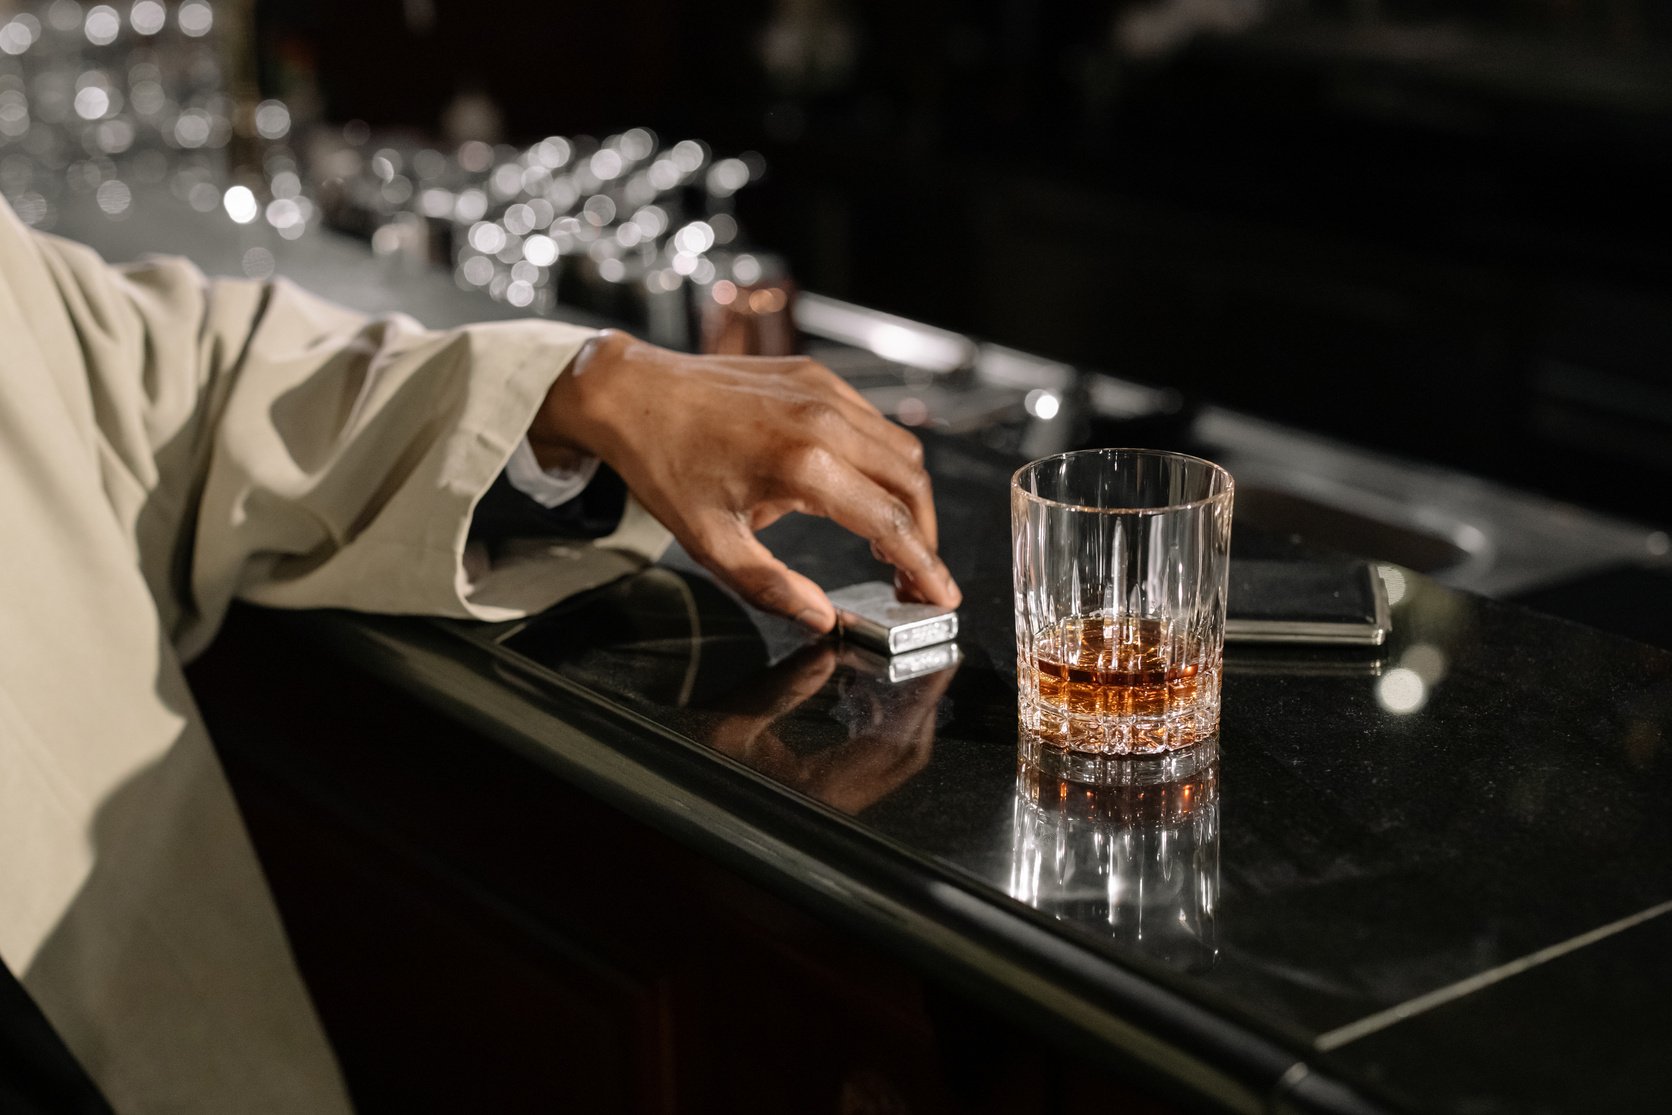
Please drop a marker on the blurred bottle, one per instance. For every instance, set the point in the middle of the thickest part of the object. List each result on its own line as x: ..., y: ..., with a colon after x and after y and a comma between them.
x: 751, y: 313
x: 245, y: 149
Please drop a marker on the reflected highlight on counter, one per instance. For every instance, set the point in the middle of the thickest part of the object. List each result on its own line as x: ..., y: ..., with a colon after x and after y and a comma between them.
x: 1134, y: 855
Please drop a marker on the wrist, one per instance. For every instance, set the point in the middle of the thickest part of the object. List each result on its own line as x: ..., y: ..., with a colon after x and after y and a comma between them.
x: 572, y: 426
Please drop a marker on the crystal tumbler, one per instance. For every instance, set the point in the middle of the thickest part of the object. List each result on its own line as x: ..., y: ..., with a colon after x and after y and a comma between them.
x: 1121, y: 559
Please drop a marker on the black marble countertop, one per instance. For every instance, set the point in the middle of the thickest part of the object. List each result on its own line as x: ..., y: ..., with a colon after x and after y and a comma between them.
x: 1428, y: 877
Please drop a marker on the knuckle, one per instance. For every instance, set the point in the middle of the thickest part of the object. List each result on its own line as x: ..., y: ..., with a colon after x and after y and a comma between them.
x: 898, y: 518
x: 914, y: 454
x: 807, y: 462
x: 816, y: 414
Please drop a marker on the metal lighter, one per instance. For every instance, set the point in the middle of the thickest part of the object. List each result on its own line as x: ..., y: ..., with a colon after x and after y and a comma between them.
x: 868, y: 614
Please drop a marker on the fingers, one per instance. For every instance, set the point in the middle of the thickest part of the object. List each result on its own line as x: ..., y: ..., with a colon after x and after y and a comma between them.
x: 908, y: 590
x: 820, y: 380
x: 719, y: 447
x: 889, y: 455
x: 893, y: 457
x: 725, y: 546
x: 830, y: 486
x: 887, y: 452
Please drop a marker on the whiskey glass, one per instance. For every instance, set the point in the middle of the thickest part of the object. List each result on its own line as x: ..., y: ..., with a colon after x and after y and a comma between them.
x: 1121, y: 559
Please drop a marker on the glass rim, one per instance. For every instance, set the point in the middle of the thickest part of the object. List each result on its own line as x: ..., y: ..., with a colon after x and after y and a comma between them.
x: 1171, y: 508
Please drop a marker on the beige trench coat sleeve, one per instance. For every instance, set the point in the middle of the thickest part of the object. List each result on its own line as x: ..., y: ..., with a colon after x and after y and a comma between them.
x: 168, y: 443
x: 262, y: 443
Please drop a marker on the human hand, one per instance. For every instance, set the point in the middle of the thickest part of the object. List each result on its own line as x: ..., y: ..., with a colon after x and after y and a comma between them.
x: 719, y: 447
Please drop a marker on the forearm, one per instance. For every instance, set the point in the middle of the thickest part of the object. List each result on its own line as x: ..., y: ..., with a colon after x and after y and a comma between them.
x: 255, y: 440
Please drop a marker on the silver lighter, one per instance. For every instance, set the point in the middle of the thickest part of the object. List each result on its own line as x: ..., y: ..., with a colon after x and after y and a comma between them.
x: 868, y: 614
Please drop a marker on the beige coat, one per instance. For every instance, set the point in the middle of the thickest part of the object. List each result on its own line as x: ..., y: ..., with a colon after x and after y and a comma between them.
x: 167, y: 443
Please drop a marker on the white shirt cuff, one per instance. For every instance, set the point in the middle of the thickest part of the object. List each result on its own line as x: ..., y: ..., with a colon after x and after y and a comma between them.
x: 550, y: 487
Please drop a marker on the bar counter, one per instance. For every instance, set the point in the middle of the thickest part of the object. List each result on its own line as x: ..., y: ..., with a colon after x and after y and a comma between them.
x: 1432, y: 877
x: 1429, y: 877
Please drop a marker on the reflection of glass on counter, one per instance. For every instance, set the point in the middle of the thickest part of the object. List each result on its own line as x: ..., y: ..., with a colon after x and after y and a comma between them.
x: 1135, y: 856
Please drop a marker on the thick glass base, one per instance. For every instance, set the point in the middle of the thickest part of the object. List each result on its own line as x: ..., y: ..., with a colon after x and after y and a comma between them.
x: 1042, y: 759
x: 1176, y: 721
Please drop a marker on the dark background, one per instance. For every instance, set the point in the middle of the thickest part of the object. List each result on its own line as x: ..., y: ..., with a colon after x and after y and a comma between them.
x: 1432, y: 228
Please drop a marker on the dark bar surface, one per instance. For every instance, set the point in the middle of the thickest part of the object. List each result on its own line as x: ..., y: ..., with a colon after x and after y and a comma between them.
x: 1429, y: 862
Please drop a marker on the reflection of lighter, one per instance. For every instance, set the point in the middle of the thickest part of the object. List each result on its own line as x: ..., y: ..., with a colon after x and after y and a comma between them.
x: 868, y: 614
x: 906, y: 665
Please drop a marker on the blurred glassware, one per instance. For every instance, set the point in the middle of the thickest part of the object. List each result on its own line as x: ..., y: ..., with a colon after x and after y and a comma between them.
x: 97, y: 99
x: 622, y: 226
x: 94, y: 98
x: 749, y: 319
